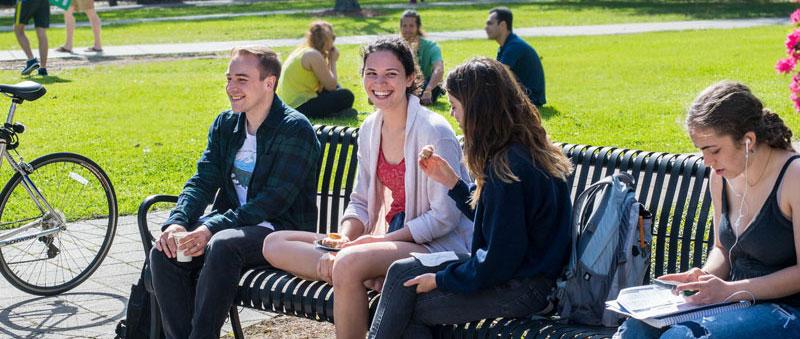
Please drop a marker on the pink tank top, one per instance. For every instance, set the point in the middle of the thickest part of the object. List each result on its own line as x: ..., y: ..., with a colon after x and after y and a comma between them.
x: 393, y: 177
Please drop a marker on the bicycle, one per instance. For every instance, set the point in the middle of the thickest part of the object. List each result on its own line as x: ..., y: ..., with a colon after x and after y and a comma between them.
x: 55, y: 233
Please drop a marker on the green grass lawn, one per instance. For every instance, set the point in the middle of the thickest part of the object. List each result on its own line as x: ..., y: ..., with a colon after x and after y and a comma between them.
x: 679, y: 10
x: 386, y: 22
x: 146, y: 123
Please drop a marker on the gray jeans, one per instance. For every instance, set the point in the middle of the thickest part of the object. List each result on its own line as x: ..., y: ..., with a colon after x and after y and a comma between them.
x: 404, y: 313
x: 194, y: 297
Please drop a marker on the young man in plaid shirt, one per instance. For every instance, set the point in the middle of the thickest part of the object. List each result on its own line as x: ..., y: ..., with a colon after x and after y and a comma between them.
x: 262, y: 158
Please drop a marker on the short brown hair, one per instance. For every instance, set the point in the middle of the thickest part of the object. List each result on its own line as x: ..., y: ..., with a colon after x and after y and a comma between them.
x: 503, y: 14
x: 267, y: 59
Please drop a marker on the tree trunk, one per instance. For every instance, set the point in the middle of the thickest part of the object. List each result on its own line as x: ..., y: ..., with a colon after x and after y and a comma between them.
x: 347, y: 6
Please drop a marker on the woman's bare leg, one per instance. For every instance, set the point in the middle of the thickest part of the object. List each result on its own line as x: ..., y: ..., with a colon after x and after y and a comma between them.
x: 293, y: 252
x: 69, y: 26
x: 95, y: 21
x: 352, y: 267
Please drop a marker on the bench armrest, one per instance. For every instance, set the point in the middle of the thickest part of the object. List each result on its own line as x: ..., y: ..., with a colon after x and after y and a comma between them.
x: 141, y: 217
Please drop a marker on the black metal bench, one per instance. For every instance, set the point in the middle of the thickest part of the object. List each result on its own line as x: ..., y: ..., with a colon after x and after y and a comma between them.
x: 672, y: 186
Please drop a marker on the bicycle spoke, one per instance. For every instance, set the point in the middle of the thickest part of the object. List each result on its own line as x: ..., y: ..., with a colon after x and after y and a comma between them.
x: 79, y: 197
x: 78, y: 247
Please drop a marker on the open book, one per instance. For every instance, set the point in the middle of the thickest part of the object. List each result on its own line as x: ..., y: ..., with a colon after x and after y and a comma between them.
x: 658, y: 307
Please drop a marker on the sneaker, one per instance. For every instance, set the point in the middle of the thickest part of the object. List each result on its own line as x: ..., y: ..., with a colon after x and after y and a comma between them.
x: 30, y: 66
x: 43, y: 72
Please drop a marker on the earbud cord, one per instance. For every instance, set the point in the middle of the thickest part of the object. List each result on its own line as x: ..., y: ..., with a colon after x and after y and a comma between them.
x: 752, y: 296
x: 736, y: 226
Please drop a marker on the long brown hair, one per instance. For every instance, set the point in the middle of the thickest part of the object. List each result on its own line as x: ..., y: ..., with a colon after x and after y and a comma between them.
x: 410, y: 13
x: 317, y: 34
x: 498, y: 113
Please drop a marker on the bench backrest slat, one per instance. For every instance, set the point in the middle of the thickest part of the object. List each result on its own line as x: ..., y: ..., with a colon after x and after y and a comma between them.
x: 337, y: 168
x: 672, y: 186
x: 675, y: 230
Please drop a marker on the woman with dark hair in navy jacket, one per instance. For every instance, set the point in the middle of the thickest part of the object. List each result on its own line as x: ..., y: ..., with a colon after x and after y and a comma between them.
x: 519, y: 204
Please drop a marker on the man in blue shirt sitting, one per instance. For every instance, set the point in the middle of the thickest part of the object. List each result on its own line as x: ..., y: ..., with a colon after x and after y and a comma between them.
x: 260, y: 170
x: 517, y: 54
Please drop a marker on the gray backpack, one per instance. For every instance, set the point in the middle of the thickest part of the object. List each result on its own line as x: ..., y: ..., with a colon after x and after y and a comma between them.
x: 610, y: 251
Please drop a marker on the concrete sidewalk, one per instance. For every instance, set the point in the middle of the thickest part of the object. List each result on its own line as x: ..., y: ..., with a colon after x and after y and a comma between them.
x: 222, y: 46
x: 93, y: 309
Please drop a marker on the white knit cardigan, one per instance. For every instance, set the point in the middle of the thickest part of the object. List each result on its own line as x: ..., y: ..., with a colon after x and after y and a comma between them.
x: 430, y: 214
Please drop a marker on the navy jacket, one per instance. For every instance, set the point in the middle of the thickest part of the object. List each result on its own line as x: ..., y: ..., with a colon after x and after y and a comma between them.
x: 521, y: 228
x: 282, y: 189
x: 524, y: 62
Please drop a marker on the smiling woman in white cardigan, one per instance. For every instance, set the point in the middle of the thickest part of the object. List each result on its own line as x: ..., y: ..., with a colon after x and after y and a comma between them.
x: 394, y: 208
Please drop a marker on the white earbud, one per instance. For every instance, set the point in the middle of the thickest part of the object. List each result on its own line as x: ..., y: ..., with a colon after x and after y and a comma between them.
x: 746, y: 149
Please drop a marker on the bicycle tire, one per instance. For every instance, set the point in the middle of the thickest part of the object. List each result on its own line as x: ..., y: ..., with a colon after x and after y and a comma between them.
x: 82, y: 194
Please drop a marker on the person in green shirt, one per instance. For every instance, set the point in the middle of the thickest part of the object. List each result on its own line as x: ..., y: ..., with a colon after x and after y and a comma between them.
x: 427, y: 56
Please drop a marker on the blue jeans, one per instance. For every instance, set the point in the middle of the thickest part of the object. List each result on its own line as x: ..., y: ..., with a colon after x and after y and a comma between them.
x: 398, y: 221
x: 766, y: 320
x: 404, y: 313
x: 194, y: 297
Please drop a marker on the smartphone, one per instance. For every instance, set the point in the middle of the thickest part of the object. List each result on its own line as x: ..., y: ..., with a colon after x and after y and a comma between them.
x: 670, y: 284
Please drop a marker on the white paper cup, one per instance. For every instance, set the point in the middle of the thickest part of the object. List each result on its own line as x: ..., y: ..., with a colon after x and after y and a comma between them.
x: 181, y: 255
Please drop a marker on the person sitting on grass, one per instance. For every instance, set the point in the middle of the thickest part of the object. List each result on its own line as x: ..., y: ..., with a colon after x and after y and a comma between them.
x: 518, y: 55
x: 755, y: 189
x: 520, y: 205
x: 394, y: 209
x: 427, y: 55
x: 309, y: 81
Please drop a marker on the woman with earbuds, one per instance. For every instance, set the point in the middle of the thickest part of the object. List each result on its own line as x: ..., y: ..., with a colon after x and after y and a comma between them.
x: 755, y: 189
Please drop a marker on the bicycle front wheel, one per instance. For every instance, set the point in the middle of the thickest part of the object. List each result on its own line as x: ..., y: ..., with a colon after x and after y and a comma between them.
x: 58, y: 247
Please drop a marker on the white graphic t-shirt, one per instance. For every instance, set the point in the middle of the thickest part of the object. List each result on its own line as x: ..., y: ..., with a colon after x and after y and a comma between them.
x: 243, y: 167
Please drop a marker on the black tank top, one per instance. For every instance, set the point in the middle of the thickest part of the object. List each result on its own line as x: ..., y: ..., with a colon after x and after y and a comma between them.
x: 767, y: 245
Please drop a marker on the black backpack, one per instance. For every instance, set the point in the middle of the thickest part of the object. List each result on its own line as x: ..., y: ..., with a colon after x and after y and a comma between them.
x: 138, y: 317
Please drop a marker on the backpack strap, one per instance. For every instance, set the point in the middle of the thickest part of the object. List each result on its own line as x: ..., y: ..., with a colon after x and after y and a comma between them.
x: 580, y: 212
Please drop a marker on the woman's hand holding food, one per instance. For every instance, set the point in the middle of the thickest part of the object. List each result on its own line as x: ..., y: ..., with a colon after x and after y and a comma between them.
x: 437, y: 168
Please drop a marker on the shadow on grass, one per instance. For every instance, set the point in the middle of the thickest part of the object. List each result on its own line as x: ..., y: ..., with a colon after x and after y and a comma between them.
x: 370, y: 25
x: 548, y: 112
x: 696, y: 10
x: 51, y: 79
x: 441, y: 105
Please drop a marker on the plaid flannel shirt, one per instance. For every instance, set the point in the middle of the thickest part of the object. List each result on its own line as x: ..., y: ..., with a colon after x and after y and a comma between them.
x: 282, y: 189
